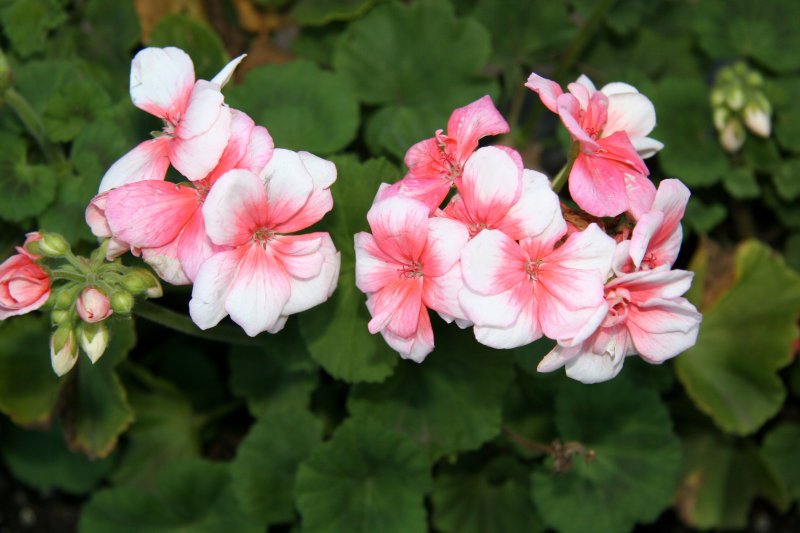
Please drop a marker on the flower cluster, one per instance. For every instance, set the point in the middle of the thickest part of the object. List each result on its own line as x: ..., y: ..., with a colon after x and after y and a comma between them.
x: 499, y: 255
x: 227, y: 229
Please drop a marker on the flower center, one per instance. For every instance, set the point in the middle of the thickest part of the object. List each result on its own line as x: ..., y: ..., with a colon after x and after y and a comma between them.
x: 532, y: 269
x: 414, y: 270
x: 263, y: 236
x: 618, y: 300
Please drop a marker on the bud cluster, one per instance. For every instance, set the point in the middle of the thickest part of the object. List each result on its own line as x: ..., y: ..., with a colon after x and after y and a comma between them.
x: 81, y: 292
x: 738, y: 100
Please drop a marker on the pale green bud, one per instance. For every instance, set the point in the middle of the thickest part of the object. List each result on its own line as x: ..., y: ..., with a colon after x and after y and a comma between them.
x: 66, y: 296
x: 717, y: 97
x: 53, y: 245
x: 735, y: 98
x: 57, y: 316
x: 63, y: 350
x: 757, y: 120
x: 721, y: 116
x: 152, y: 284
x: 122, y: 302
x: 732, y: 136
x: 93, y: 339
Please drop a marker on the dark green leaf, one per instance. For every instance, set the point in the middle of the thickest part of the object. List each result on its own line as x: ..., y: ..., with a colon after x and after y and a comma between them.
x: 637, y: 459
x: 365, y: 479
x: 741, y: 182
x: 704, y: 217
x: 27, y: 22
x: 307, y: 108
x: 73, y: 107
x: 787, y: 179
x: 116, y: 26
x: 266, y: 462
x: 319, y: 12
x: 395, y: 128
x: 460, y: 376
x: 780, y: 452
x: 731, y: 373
x: 195, y: 38
x: 28, y: 189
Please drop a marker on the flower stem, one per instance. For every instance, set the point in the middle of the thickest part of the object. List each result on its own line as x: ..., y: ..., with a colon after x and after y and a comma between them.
x: 525, y: 443
x: 561, y: 178
x: 33, y: 123
x: 180, y: 322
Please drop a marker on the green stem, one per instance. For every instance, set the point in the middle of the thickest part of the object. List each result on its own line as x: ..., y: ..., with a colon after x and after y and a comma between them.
x: 525, y: 443
x: 66, y: 274
x: 30, y: 119
x: 180, y: 322
x: 561, y: 178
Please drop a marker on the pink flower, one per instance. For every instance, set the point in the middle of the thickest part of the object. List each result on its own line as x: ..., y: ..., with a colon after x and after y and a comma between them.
x: 608, y: 176
x: 516, y: 291
x: 267, y: 275
x: 24, y: 285
x: 93, y: 306
x: 408, y: 264
x: 644, y: 314
x: 95, y: 215
x: 496, y: 193
x: 656, y: 238
x: 435, y: 165
x: 197, y: 124
x: 165, y: 220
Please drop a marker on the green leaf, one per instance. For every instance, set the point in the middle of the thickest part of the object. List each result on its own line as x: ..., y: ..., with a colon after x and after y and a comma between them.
x: 749, y: 28
x: 787, y: 120
x: 278, y: 377
x: 27, y: 22
x: 116, y: 26
x: 202, y: 44
x: 459, y: 376
x: 787, y: 179
x: 528, y: 407
x: 41, y: 459
x: 38, y: 80
x: 722, y: 477
x: 779, y: 451
x: 741, y: 182
x: 319, y: 12
x: 28, y: 385
x: 336, y: 331
x: 691, y: 151
x: 307, y: 108
x: 479, y: 498
x: 637, y: 459
x: 267, y: 460
x: 364, y: 479
x: 191, y: 496
x: 27, y: 188
x: 73, y: 107
x: 96, y: 410
x: 395, y: 128
x: 704, y: 217
x: 164, y: 429
x: 791, y: 251
x: 731, y: 373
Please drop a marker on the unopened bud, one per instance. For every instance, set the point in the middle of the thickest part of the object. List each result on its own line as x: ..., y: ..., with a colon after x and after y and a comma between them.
x: 134, y: 284
x: 735, y: 98
x: 754, y: 79
x: 757, y: 119
x: 63, y: 350
x: 57, y: 316
x: 152, y: 283
x: 717, y: 97
x: 732, y: 136
x: 721, y: 116
x: 65, y: 298
x: 93, y: 339
x: 6, y: 78
x: 92, y: 305
x: 122, y: 302
x: 53, y: 245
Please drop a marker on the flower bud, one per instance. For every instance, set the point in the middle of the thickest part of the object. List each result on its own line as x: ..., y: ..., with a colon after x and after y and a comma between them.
x: 93, y: 306
x: 756, y: 116
x: 152, y: 283
x: 717, y: 97
x: 122, y: 302
x: 63, y: 350
x: 721, y: 116
x: 53, y: 245
x: 134, y: 284
x: 735, y: 98
x: 93, y: 339
x: 65, y: 298
x: 57, y: 316
x: 732, y: 135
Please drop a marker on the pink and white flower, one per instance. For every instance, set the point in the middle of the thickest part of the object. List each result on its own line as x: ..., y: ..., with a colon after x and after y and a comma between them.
x: 436, y: 164
x: 93, y: 306
x: 515, y: 292
x: 608, y: 176
x: 197, y: 123
x: 24, y: 285
x: 408, y: 264
x: 266, y: 275
x: 645, y: 314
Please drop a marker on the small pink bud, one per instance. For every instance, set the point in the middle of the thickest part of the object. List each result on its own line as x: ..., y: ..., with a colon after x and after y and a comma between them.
x: 63, y: 350
x: 93, y: 305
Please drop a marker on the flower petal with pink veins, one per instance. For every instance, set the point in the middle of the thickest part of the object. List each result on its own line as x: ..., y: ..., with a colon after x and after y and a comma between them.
x: 440, y: 293
x: 235, y: 207
x: 641, y: 192
x: 396, y: 307
x: 496, y: 310
x: 238, y: 142
x: 288, y: 185
x: 259, y: 291
x: 587, y: 249
x: 535, y: 210
x: 548, y: 90
x: 149, y: 160
x: 150, y: 213
x: 194, y: 246
x: 161, y: 81
x: 469, y: 123
x: 416, y: 346
x: 646, y: 227
x: 374, y: 269
x: 320, y: 201
x: 523, y: 331
x: 166, y: 263
x: 95, y: 216
x: 564, y: 307
x: 569, y: 110
x: 224, y: 75
x: 197, y: 156
x: 446, y: 238
x: 259, y: 151
x: 491, y: 183
x: 492, y: 263
x: 307, y: 293
x: 299, y: 255
x: 400, y: 227
x: 662, y: 329
x: 205, y: 102
x: 591, y: 367
x: 429, y: 191
x: 597, y: 186
x: 211, y: 287
x: 632, y: 113
x: 660, y: 282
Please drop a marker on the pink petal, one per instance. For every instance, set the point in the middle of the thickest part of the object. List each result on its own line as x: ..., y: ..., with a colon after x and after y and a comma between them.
x: 568, y: 299
x: 204, y: 105
x: 584, y: 80
x: 535, y: 210
x: 149, y: 160
x: 646, y: 146
x: 195, y: 157
x: 194, y: 246
x: 430, y: 192
x: 259, y: 291
x: 469, y: 123
x: 289, y: 186
x: 523, y: 331
x: 493, y: 263
x: 416, y: 346
x: 165, y: 261
x: 374, y: 269
x: 641, y: 192
x: 662, y: 329
x: 496, y: 310
x: 400, y: 227
x: 96, y: 216
x: 235, y: 207
x: 211, y: 287
x: 548, y: 90
x: 647, y: 226
x: 396, y: 307
x: 307, y: 293
x: 569, y: 110
x: 150, y: 213
x: 323, y: 174
x: 491, y: 183
x: 632, y: 113
x: 445, y: 241
x: 598, y: 187
x: 299, y: 255
x: 224, y: 75
x: 659, y: 283
x: 440, y: 293
x: 259, y: 151
x: 238, y: 143
x: 593, y: 367
x: 590, y: 249
x: 161, y: 81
